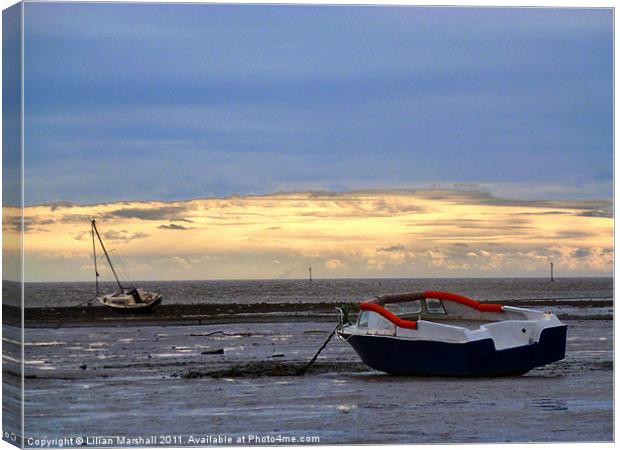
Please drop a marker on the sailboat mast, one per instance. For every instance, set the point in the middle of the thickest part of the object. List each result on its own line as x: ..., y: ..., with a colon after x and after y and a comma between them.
x: 92, y: 232
x: 105, y: 252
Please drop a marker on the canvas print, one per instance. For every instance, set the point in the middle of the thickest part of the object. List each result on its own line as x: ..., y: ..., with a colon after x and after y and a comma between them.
x: 242, y: 225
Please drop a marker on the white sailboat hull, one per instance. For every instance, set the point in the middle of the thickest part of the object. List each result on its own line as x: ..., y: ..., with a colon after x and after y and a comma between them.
x: 126, y: 301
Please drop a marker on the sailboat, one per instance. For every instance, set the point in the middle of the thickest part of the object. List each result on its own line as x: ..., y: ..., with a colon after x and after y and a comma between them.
x: 125, y: 298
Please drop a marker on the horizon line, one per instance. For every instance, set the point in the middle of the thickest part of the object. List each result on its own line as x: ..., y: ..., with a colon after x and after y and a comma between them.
x: 327, y: 279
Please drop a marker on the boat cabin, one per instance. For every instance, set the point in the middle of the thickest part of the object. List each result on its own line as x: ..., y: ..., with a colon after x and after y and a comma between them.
x: 405, y: 309
x: 456, y: 315
x: 129, y: 297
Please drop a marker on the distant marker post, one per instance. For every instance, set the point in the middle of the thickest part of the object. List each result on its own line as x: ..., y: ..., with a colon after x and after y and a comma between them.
x: 310, y: 270
x: 551, y: 271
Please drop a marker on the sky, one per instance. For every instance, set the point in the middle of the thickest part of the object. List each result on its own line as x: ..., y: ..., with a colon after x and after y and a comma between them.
x: 157, y: 104
x: 424, y: 233
x: 169, y: 102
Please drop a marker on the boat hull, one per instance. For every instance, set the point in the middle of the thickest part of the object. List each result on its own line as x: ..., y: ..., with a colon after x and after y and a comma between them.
x: 140, y: 308
x: 399, y: 356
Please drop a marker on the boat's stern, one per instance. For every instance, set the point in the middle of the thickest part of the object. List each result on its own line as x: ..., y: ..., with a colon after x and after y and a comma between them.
x: 551, y: 346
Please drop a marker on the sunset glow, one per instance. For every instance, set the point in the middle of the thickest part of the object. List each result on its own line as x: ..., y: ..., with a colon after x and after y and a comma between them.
x: 426, y: 233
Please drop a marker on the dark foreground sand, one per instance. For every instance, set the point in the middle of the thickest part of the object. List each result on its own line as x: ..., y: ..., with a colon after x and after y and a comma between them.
x: 98, y: 383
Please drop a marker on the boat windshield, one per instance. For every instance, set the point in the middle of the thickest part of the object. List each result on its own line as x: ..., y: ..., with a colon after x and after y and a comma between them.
x: 362, y: 321
x: 404, y: 308
x: 434, y: 306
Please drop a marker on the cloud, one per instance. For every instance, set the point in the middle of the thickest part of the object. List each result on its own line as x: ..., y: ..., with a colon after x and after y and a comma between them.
x: 243, y: 236
x: 174, y: 226
x: 56, y: 205
x: 581, y: 252
x: 393, y: 248
x: 122, y: 236
x: 607, y: 213
x: 333, y: 263
x: 30, y: 224
x: 183, y: 263
x: 150, y: 213
x: 81, y: 235
x: 547, y: 213
x: 481, y: 197
x: 391, y: 205
x: 111, y: 235
x: 572, y: 234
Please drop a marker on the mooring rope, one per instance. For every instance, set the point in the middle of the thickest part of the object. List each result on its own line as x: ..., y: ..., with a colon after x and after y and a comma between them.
x: 307, y: 366
x: 217, y: 332
x: 87, y: 302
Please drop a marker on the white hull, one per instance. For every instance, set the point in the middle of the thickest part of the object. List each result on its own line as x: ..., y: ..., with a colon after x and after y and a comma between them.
x: 127, y: 301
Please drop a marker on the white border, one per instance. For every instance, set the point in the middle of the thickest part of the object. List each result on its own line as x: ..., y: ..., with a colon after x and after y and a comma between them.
x: 477, y: 3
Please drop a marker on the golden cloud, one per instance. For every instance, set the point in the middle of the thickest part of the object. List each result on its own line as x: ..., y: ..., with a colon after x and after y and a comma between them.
x: 354, y: 234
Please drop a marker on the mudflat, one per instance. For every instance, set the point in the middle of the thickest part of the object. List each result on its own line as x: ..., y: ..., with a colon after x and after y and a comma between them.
x: 235, y: 380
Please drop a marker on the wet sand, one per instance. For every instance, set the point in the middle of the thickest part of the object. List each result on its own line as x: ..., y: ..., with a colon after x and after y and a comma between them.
x: 162, y: 379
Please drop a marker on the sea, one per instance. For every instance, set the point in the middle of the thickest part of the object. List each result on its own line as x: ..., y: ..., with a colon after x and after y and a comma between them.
x: 328, y: 290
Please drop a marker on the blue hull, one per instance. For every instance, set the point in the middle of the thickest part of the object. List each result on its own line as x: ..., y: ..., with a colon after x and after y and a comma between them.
x: 471, y: 359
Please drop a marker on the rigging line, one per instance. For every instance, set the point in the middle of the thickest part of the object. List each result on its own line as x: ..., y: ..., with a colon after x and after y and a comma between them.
x: 106, y: 275
x: 106, y: 254
x: 118, y: 264
x: 121, y: 264
x: 92, y: 232
x: 123, y: 267
x: 125, y: 274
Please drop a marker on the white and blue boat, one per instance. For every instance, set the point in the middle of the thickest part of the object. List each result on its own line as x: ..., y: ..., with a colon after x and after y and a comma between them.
x: 446, y: 334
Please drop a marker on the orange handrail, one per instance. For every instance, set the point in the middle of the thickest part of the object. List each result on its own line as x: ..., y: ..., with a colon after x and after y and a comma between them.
x: 486, y: 307
x: 389, y: 316
x: 449, y: 296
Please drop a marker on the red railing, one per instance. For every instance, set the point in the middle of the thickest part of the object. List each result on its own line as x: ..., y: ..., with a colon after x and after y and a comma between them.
x: 486, y: 307
x: 449, y: 296
x: 389, y: 316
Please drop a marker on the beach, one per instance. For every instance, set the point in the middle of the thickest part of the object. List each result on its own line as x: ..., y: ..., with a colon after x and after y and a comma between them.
x: 230, y: 373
